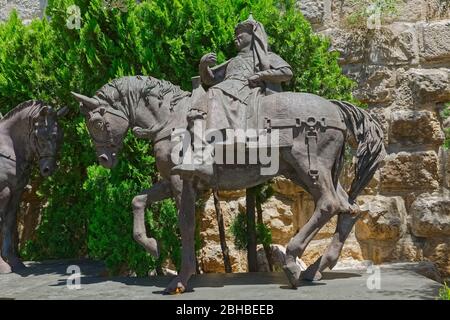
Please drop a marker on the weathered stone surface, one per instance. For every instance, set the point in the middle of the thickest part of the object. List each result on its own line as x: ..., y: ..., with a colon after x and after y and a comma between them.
x: 430, y: 216
x: 412, y: 10
x: 211, y: 259
x: 316, y: 248
x: 438, y: 251
x: 435, y: 40
x: 383, y: 218
x: 395, y: 44
x: 427, y: 85
x: 376, y: 84
x: 410, y: 171
x: 350, y: 45
x: 286, y: 187
x: 407, y: 248
x: 415, y: 127
x: 313, y: 10
x: 419, y: 10
x: 27, y: 9
x: 231, y: 194
x: 278, y: 214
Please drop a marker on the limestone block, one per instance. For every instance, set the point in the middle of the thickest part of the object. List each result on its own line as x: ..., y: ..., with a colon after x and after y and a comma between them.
x: 415, y: 127
x: 394, y: 44
x: 435, y: 40
x: 376, y: 84
x: 430, y: 216
x: 383, y: 218
x: 313, y: 10
x: 414, y: 171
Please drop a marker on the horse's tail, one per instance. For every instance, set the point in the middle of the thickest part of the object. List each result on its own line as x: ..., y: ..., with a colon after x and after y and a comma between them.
x: 370, y: 152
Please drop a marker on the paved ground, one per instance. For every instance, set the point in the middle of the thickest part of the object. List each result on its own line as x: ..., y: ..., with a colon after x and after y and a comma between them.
x: 49, y: 281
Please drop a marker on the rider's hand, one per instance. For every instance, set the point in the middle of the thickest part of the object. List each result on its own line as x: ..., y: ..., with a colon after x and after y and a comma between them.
x: 255, y: 80
x: 208, y: 60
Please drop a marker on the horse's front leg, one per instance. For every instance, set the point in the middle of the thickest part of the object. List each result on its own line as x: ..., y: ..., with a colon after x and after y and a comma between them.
x: 5, y: 196
x: 9, y: 228
x: 160, y: 191
x: 185, y: 196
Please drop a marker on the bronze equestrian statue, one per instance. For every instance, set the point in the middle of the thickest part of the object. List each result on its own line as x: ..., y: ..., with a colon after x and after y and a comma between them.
x: 28, y: 132
x: 243, y: 93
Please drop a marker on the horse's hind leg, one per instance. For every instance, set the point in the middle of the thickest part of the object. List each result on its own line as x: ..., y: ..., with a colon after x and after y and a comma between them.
x: 327, y: 203
x: 5, y: 196
x: 345, y: 223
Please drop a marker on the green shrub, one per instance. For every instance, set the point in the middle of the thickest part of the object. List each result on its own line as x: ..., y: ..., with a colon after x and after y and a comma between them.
x: 88, y: 211
x: 444, y: 293
x: 238, y: 229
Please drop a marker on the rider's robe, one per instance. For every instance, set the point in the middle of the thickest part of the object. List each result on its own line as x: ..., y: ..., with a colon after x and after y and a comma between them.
x: 225, y: 102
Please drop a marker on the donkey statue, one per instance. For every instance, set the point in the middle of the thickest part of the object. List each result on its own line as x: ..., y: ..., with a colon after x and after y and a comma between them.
x: 154, y: 108
x: 28, y: 132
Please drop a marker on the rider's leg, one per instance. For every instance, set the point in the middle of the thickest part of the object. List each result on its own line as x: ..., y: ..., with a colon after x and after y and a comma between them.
x: 201, y: 162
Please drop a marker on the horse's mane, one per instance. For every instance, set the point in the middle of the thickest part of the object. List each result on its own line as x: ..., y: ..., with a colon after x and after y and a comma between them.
x: 24, y: 105
x: 143, y: 85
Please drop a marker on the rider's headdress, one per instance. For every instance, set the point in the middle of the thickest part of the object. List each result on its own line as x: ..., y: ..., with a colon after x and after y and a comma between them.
x: 260, y: 45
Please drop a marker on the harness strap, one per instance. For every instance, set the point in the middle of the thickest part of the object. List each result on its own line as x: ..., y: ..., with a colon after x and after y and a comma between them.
x: 311, y: 142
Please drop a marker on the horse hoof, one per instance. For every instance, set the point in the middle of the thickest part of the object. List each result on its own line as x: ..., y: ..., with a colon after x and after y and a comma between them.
x: 312, y: 277
x: 354, y: 209
x: 5, y: 268
x: 152, y: 248
x: 292, y: 272
x: 175, y: 287
x: 18, y: 266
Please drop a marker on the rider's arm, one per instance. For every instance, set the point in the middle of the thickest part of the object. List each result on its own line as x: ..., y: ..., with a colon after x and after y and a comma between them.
x: 212, y: 76
x: 280, y: 70
x: 279, y: 75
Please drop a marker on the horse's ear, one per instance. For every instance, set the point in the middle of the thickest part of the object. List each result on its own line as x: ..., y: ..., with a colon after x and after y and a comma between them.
x: 62, y: 112
x: 86, y: 104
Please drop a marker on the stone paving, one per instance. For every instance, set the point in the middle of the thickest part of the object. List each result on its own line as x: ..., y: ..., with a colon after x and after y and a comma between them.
x: 49, y: 280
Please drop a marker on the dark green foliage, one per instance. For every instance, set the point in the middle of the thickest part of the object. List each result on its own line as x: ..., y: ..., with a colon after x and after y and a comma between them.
x: 445, y: 114
x: 239, y: 231
x: 444, y: 292
x: 88, y: 209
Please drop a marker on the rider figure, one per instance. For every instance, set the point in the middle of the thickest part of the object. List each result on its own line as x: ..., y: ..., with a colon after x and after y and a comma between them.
x: 233, y: 86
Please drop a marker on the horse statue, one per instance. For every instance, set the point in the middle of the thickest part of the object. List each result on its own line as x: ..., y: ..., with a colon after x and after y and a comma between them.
x: 313, y: 159
x: 28, y: 132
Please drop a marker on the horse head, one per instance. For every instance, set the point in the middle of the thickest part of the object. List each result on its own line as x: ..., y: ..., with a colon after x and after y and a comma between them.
x: 46, y: 137
x: 107, y: 127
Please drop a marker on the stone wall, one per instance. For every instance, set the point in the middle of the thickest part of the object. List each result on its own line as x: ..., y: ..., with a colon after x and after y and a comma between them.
x: 27, y: 9
x: 402, y: 70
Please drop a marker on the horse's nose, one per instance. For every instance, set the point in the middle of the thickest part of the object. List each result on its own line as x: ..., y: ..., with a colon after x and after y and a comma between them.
x: 103, y: 159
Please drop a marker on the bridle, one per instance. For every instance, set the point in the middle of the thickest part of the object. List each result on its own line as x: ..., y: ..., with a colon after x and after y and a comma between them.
x: 33, y: 138
x: 106, y: 126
